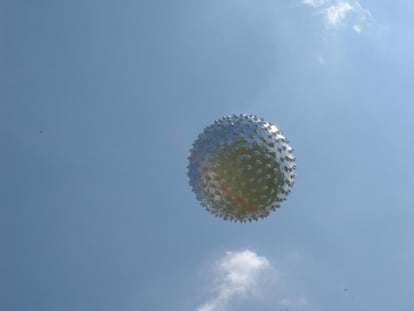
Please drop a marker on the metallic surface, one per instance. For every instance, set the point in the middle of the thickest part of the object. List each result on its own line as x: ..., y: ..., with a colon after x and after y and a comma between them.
x: 241, y: 168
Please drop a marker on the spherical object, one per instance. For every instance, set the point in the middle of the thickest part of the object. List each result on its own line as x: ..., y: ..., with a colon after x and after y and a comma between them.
x: 241, y: 168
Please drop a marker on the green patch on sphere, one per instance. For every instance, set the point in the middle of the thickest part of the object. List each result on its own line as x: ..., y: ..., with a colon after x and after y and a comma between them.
x: 249, y: 177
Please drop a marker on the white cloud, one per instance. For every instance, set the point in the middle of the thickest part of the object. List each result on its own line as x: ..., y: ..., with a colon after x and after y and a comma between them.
x: 335, y: 12
x: 238, y: 274
x: 315, y: 3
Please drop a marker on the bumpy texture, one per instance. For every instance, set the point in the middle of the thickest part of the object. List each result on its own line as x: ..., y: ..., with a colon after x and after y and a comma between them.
x: 241, y: 168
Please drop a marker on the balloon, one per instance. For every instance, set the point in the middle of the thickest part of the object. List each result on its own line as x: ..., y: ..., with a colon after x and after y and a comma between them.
x: 241, y: 168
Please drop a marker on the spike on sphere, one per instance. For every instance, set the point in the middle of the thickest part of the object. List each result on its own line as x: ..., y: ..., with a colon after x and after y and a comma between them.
x: 241, y: 168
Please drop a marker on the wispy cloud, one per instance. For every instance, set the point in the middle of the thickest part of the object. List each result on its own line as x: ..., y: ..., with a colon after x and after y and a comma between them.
x: 335, y: 12
x: 238, y: 275
x: 293, y: 302
x: 315, y: 3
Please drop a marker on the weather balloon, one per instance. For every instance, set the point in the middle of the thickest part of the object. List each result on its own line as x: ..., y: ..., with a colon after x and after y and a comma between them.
x: 241, y: 168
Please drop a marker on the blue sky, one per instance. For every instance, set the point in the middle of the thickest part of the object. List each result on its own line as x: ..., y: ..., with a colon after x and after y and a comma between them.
x: 100, y: 102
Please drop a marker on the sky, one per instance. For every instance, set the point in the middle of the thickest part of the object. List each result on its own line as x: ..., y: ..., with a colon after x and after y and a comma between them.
x: 100, y: 102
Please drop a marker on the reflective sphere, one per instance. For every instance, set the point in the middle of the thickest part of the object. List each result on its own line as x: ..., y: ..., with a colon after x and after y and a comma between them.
x: 241, y: 168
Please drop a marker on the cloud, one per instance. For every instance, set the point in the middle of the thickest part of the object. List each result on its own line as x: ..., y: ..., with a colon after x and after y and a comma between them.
x: 335, y: 12
x: 238, y: 275
x: 315, y: 3
x: 293, y: 302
